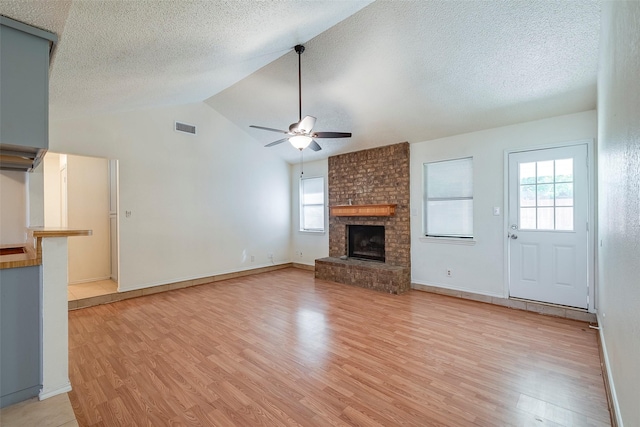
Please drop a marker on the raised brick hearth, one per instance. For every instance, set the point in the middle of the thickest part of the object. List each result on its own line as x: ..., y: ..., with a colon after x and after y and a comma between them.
x: 375, y: 176
x: 367, y: 274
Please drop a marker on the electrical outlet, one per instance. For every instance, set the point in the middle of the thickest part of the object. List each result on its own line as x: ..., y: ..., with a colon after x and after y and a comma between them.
x: 253, y: 258
x: 300, y: 254
x: 449, y: 273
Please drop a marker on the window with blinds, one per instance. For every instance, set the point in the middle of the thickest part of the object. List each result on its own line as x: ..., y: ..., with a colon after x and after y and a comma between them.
x: 312, y: 204
x: 448, y: 198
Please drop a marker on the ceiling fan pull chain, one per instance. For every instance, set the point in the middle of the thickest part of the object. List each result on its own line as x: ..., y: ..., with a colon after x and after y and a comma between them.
x: 301, y: 165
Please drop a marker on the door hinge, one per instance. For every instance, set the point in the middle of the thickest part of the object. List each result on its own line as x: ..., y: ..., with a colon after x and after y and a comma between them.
x: 587, y: 226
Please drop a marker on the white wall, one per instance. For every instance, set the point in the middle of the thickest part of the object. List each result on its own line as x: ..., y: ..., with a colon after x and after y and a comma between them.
x: 13, y: 207
x: 307, y: 246
x: 200, y: 205
x: 52, y: 190
x: 88, y: 208
x: 619, y: 203
x: 480, y: 268
x: 55, y: 313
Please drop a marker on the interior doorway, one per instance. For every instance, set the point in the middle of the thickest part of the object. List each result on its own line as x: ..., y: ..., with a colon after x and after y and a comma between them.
x: 82, y: 192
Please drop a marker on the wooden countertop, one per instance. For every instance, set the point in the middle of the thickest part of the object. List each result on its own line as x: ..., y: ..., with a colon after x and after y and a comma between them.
x: 33, y: 251
x: 58, y: 232
x: 26, y: 259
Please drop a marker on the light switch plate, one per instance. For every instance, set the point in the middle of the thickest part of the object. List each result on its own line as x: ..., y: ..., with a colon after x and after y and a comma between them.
x: 496, y: 210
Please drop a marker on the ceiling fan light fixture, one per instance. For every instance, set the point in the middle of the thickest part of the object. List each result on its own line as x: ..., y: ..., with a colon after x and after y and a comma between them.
x: 300, y: 141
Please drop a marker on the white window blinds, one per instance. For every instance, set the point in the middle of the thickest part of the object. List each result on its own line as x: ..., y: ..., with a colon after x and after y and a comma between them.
x: 312, y: 204
x: 448, y: 198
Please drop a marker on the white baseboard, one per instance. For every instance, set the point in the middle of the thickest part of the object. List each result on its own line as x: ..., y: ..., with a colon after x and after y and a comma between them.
x: 515, y: 303
x: 456, y: 288
x: 243, y: 271
x: 607, y: 366
x: 45, y: 394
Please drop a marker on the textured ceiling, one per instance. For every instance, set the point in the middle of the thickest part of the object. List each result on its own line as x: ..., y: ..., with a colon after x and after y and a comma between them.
x: 388, y: 72
x: 420, y: 70
x: 118, y: 55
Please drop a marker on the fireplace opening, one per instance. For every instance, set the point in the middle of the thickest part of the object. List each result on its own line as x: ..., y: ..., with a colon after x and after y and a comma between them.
x: 366, y: 242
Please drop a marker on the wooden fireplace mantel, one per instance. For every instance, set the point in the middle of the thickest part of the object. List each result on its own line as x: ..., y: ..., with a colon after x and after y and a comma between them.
x: 363, y: 210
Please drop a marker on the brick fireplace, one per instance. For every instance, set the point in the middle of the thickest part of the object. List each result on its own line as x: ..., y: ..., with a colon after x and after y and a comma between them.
x: 378, y: 176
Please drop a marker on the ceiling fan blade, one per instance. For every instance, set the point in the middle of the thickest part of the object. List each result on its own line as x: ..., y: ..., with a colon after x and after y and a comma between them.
x: 269, y: 129
x: 331, y: 135
x: 280, y: 141
x: 306, y: 124
x: 314, y: 146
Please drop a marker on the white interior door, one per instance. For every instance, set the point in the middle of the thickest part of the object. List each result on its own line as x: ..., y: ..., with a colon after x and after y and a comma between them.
x: 548, y: 225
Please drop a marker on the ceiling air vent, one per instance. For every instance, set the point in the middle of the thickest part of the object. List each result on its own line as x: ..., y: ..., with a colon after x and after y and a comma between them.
x: 185, y: 128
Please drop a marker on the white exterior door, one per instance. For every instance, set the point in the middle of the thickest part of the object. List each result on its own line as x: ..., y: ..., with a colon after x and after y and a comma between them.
x: 548, y: 225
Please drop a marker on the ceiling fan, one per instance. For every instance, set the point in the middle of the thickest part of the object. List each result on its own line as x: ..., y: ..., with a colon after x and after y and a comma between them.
x: 301, y: 134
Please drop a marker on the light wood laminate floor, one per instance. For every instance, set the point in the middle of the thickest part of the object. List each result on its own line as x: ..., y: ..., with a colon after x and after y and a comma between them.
x: 282, y: 349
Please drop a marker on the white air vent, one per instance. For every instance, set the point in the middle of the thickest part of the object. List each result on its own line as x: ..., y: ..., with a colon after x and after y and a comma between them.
x: 183, y: 127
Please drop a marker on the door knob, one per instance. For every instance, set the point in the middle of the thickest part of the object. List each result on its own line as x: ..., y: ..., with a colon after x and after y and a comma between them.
x: 513, y: 236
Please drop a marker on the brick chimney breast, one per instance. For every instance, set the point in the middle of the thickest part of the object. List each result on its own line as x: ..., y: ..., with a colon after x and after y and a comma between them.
x: 376, y: 176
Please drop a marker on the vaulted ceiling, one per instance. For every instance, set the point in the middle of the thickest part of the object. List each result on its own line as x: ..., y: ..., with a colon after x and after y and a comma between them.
x: 386, y: 71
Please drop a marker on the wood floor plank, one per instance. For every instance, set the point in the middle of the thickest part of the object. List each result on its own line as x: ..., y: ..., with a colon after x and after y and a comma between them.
x: 285, y: 349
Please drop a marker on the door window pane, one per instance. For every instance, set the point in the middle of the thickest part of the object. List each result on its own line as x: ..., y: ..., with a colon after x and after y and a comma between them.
x: 546, y: 195
x: 564, y: 170
x: 528, y: 173
x: 545, y: 219
x: 528, y: 195
x: 545, y: 172
x: 564, y: 194
x: 528, y: 218
x: 564, y: 218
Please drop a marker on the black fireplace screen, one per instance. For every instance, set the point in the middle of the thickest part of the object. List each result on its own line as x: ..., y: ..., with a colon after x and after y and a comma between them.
x: 366, y: 242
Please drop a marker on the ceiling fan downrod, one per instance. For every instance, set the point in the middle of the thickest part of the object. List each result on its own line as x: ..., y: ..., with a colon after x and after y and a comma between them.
x: 299, y: 49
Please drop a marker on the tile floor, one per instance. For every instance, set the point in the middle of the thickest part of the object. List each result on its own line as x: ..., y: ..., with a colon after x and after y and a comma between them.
x: 53, y: 412
x: 91, y: 289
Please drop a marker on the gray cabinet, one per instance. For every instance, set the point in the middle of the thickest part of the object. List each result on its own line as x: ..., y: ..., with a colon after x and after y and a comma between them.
x: 24, y: 93
x: 20, y: 334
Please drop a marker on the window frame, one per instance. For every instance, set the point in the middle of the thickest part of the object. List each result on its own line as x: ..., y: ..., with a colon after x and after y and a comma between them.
x: 461, y: 237
x: 302, y: 205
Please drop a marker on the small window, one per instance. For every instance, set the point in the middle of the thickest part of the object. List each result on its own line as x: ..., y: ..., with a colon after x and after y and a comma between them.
x: 312, y: 204
x: 448, y: 198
